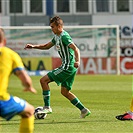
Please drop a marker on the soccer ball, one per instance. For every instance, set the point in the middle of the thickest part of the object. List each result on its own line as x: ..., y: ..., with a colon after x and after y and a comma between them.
x: 39, y: 116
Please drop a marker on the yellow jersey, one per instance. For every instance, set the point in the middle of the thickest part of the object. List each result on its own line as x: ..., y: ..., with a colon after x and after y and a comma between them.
x: 10, y: 61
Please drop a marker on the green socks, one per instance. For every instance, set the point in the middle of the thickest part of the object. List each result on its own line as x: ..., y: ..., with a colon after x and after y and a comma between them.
x: 77, y: 103
x: 46, y: 98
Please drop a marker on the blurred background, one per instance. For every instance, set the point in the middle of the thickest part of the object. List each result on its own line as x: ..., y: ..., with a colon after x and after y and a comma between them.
x: 74, y: 13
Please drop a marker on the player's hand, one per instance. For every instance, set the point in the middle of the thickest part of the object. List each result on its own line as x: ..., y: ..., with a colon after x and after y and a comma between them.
x: 77, y: 64
x: 28, y: 46
x: 30, y: 89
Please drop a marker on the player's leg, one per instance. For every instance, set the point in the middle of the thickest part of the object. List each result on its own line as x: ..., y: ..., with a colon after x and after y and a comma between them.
x: 128, y: 115
x: 27, y: 119
x: 55, y: 75
x: 72, y: 98
x: 65, y: 91
x: 27, y: 125
x: 46, y: 94
x: 16, y: 106
x: 75, y: 101
x: 131, y: 107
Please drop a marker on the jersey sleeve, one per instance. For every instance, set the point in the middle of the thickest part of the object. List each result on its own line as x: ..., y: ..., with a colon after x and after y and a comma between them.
x: 17, y: 63
x: 53, y: 40
x: 67, y: 40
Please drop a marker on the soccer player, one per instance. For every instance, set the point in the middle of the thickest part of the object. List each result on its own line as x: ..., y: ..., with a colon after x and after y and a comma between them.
x: 12, y: 105
x: 65, y: 74
x: 127, y: 115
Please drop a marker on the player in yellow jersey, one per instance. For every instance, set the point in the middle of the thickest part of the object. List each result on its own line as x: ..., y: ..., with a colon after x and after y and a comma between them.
x: 128, y: 115
x: 10, y: 106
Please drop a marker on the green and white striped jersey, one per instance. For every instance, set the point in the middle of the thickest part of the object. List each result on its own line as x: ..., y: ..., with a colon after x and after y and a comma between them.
x: 62, y: 43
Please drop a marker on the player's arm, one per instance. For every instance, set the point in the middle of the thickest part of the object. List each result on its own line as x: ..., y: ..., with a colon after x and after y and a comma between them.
x: 39, y: 46
x: 77, y: 54
x: 26, y: 80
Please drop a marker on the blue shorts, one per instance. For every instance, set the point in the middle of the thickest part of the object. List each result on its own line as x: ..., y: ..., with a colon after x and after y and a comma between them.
x: 12, y: 107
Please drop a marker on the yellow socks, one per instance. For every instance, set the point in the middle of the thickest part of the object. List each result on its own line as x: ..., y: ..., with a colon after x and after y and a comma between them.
x: 131, y: 107
x: 27, y: 125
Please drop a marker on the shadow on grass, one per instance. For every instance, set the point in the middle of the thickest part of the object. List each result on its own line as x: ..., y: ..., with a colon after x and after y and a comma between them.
x: 45, y: 122
x: 11, y: 122
x: 79, y: 121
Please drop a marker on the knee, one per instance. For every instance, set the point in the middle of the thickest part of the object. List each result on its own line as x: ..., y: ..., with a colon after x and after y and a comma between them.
x: 44, y: 80
x: 32, y: 110
x: 41, y: 80
x: 28, y: 111
x: 64, y: 93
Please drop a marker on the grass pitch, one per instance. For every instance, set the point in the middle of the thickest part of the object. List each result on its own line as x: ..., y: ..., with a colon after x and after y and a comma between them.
x: 105, y: 95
